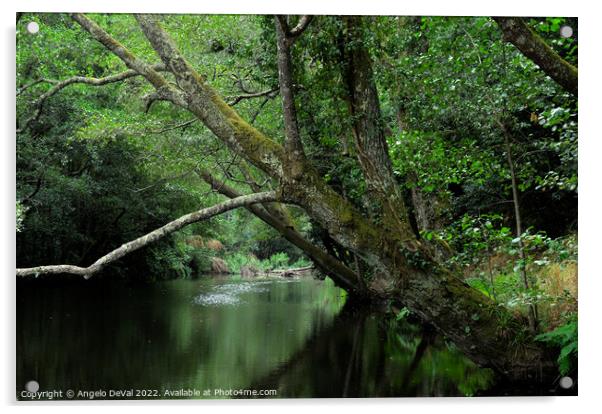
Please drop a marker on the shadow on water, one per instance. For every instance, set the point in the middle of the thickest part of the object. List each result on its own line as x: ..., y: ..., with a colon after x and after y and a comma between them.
x: 297, y: 337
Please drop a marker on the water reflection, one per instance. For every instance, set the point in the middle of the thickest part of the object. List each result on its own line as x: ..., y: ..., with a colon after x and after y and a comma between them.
x: 293, y: 336
x: 367, y: 354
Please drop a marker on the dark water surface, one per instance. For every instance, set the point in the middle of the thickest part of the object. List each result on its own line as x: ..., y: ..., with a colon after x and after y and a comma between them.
x: 217, y: 336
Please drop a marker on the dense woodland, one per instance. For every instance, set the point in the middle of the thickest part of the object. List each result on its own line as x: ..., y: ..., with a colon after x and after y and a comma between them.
x: 426, y: 162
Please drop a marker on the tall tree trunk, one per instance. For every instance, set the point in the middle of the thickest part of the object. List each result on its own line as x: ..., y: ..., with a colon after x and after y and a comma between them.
x: 370, y: 141
x: 294, y: 152
x: 519, y: 226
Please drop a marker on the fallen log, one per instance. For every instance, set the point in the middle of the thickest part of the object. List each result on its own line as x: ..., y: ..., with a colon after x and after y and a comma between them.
x: 289, y: 272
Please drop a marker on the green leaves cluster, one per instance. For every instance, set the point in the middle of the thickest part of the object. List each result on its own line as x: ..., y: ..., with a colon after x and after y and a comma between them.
x: 564, y: 337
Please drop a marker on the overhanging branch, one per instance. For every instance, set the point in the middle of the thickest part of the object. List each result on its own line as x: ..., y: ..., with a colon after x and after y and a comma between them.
x: 296, y: 31
x: 516, y: 31
x: 208, y: 106
x: 151, y: 237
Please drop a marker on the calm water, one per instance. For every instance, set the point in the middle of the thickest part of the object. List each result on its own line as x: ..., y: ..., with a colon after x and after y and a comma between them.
x: 293, y: 336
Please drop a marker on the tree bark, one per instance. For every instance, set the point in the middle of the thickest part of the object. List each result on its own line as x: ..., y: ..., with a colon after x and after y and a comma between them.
x: 151, y: 237
x: 516, y: 31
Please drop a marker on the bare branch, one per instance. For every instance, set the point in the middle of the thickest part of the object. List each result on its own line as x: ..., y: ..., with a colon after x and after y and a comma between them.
x: 172, y: 127
x: 37, y: 188
x: 531, y: 45
x: 151, y: 237
x: 292, y: 34
x: 163, y: 180
x: 34, y: 83
x: 270, y: 93
x: 238, y: 81
x: 150, y: 98
x: 296, y: 31
x: 258, y: 111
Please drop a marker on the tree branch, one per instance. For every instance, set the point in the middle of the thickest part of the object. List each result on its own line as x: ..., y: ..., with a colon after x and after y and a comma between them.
x: 172, y: 127
x: 311, y: 192
x: 270, y: 93
x: 59, y: 85
x: 344, y: 276
x: 516, y: 31
x: 296, y: 31
x: 34, y: 83
x: 153, y: 236
x: 293, y: 145
x: 121, y: 51
x: 208, y: 106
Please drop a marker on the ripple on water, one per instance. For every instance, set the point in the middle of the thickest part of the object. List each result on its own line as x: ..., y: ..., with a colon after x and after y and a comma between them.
x: 229, y: 294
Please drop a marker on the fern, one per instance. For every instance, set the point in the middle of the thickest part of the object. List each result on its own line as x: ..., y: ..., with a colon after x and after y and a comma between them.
x: 565, y: 337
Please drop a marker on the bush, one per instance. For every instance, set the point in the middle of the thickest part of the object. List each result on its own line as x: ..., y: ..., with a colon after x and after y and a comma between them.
x: 237, y: 260
x: 565, y: 337
x: 168, y: 259
x: 276, y: 261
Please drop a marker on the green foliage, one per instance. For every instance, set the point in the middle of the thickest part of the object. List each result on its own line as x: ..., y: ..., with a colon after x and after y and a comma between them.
x: 403, y: 313
x: 277, y: 261
x: 167, y: 261
x: 476, y: 237
x: 238, y: 259
x: 20, y: 211
x: 565, y: 337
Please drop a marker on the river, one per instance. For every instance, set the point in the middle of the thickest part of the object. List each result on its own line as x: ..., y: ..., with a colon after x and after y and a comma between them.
x: 225, y: 337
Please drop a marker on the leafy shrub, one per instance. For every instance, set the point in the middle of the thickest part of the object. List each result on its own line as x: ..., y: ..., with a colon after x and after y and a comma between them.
x: 237, y: 260
x: 302, y: 262
x: 279, y: 260
x: 276, y: 261
x: 564, y: 337
x: 200, y: 261
x: 168, y: 259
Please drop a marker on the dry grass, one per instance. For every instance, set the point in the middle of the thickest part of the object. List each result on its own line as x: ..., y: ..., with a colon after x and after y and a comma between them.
x: 198, y: 243
x: 558, y: 280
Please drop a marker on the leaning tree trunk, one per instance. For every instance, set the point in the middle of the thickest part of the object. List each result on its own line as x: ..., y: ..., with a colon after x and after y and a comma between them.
x: 487, y: 332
